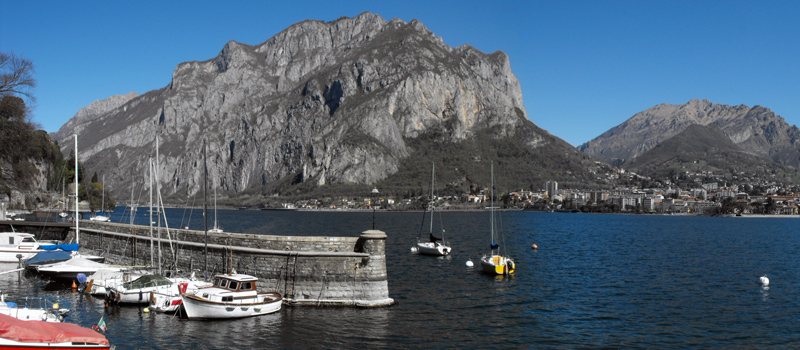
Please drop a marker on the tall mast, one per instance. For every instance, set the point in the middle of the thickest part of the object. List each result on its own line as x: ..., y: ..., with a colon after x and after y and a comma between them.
x: 433, y: 170
x: 151, y: 212
x: 77, y: 214
x: 205, y: 207
x: 103, y: 192
x: 158, y: 207
x: 492, y: 195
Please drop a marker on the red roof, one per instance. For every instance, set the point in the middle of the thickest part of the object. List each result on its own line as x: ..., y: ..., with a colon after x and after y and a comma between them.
x: 47, y: 332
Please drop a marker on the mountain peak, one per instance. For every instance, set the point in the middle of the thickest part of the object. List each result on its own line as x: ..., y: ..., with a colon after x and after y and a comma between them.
x: 317, y: 103
x: 756, y: 129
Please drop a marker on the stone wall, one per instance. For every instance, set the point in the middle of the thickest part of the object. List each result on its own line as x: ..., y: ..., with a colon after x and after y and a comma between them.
x: 306, y: 270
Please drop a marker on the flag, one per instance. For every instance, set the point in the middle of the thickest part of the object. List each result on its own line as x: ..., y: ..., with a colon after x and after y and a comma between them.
x: 102, y: 324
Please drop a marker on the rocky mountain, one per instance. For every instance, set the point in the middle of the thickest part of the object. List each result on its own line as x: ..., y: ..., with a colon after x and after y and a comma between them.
x: 86, y: 114
x: 707, y: 149
x: 319, y: 103
x: 755, y: 130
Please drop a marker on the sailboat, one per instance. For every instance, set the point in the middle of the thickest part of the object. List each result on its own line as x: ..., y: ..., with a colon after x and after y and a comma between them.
x: 215, y: 229
x: 495, y: 263
x: 433, y: 245
x: 100, y: 217
x: 63, y: 213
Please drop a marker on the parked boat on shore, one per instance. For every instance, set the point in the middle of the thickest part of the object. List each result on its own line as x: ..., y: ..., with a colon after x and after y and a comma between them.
x: 230, y: 296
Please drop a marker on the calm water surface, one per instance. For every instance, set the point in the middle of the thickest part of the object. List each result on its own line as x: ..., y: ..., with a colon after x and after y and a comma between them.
x: 615, y: 281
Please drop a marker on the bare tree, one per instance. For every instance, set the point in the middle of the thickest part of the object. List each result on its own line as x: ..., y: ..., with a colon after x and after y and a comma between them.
x: 16, y: 76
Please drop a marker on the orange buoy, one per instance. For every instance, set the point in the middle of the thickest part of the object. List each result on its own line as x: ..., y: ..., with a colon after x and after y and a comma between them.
x: 534, y: 246
x: 74, y: 286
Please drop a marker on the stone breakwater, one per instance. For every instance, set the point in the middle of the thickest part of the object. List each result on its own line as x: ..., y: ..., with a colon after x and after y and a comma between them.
x: 320, y: 271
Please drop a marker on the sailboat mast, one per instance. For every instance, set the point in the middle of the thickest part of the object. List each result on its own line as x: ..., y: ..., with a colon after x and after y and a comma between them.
x: 151, y: 211
x: 433, y: 170
x: 492, y: 196
x: 103, y: 192
x: 77, y: 214
x: 205, y: 207
x: 158, y: 207
x: 215, y: 206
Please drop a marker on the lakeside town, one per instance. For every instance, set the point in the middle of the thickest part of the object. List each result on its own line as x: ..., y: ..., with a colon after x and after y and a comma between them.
x: 717, y: 196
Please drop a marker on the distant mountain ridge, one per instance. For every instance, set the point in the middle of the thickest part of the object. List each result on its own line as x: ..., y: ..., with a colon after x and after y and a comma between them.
x: 706, y: 149
x: 755, y: 130
x: 319, y: 103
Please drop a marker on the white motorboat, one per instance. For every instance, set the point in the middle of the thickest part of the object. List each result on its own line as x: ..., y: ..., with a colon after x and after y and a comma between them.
x: 102, y: 281
x: 17, y: 243
x: 19, y: 334
x: 68, y: 271
x: 168, y: 300
x: 138, y: 291
x: 26, y: 313
x: 100, y: 218
x: 230, y: 296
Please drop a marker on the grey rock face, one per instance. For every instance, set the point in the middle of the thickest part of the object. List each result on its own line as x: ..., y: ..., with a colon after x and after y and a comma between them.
x: 322, y: 102
x: 94, y: 110
x: 756, y: 130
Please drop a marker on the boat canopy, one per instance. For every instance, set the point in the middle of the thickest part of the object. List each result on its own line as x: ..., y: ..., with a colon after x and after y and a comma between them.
x: 147, y: 281
x: 47, y: 332
x: 72, y: 247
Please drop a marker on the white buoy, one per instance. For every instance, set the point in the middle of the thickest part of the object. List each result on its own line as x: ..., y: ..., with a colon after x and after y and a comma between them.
x: 146, y: 310
x: 413, y: 249
x: 763, y: 280
x: 469, y: 263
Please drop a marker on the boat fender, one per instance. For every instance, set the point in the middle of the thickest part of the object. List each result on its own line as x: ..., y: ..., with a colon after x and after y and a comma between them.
x: 183, y: 287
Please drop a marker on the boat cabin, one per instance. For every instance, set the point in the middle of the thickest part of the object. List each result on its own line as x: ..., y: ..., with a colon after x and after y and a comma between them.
x: 14, y: 239
x: 235, y: 283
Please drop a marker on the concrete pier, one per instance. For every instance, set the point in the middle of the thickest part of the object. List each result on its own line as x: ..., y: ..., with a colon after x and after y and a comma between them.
x: 319, y: 271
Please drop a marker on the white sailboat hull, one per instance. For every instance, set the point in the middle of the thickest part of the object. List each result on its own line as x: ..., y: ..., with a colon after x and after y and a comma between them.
x: 497, y: 265
x: 431, y: 248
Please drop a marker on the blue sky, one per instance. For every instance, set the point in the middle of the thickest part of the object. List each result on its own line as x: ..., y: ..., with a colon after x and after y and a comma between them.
x: 584, y: 66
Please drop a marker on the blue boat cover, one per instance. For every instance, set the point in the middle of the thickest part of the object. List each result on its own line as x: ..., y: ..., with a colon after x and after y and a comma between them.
x: 68, y: 247
x: 72, y: 247
x: 48, y: 256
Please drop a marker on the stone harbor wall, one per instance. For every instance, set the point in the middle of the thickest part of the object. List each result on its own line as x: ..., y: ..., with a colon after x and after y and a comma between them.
x: 317, y: 271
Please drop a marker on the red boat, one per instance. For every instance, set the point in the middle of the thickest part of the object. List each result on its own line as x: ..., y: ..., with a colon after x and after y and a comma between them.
x: 19, y: 334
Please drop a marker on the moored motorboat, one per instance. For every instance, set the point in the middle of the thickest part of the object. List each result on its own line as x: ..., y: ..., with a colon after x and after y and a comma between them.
x: 19, y: 334
x: 138, y: 291
x: 25, y: 313
x: 230, y: 296
x: 68, y: 271
x: 17, y: 243
x: 168, y: 300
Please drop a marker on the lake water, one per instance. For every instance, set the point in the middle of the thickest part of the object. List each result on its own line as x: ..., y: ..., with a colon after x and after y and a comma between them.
x: 596, y: 281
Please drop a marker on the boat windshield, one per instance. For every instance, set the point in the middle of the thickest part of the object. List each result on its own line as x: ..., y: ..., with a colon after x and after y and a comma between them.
x: 233, y: 285
x: 28, y: 240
